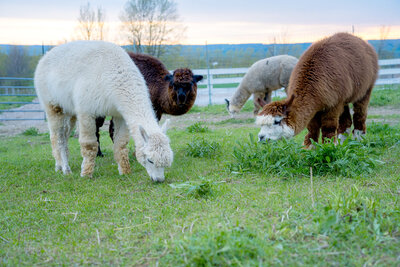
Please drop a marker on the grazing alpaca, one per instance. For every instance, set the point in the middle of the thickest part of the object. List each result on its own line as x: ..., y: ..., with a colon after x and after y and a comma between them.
x: 332, y: 73
x: 170, y: 94
x: 87, y: 79
x: 263, y: 77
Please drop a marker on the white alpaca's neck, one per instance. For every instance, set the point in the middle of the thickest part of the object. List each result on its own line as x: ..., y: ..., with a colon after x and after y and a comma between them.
x: 240, y: 97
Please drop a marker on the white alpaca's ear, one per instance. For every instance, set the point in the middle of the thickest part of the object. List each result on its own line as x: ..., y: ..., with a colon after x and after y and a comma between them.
x: 143, y: 133
x: 165, y: 125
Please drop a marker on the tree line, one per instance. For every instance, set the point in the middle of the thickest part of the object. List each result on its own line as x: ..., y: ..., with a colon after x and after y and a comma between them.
x: 18, y: 61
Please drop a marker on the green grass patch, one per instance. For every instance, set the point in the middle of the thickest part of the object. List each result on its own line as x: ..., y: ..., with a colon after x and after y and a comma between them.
x: 199, y: 147
x: 14, y: 99
x: 385, y: 97
x: 217, y: 86
x: 203, y: 188
x: 220, y: 109
x: 208, y: 212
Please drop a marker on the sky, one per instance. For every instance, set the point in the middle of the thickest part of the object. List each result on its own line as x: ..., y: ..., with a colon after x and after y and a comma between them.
x: 213, y: 21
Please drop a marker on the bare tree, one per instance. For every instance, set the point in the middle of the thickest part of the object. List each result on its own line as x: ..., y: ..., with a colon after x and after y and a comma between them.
x: 100, y: 20
x: 279, y: 43
x: 18, y: 62
x: 91, y: 22
x: 149, y: 24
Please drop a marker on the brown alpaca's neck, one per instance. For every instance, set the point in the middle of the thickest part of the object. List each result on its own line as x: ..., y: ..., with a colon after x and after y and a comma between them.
x: 300, y: 113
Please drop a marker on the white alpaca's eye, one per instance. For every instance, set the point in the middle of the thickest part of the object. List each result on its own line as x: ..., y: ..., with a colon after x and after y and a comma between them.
x: 150, y: 161
x: 277, y: 122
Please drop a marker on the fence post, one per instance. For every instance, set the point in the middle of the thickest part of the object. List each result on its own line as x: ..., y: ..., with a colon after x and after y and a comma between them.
x: 208, y: 77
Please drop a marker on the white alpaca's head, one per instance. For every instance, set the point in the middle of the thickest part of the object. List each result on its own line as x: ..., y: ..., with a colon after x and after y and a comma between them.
x: 273, y: 128
x: 232, y: 109
x: 273, y: 120
x: 155, y: 154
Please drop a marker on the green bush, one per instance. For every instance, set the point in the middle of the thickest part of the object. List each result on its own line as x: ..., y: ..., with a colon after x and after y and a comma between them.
x: 33, y: 131
x: 280, y: 158
x: 197, y: 128
x: 350, y: 159
x: 287, y: 158
x: 201, y: 148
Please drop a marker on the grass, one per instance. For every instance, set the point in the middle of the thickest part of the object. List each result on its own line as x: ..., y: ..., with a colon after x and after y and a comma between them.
x: 384, y: 97
x: 14, y: 99
x: 213, y: 210
x: 200, y: 148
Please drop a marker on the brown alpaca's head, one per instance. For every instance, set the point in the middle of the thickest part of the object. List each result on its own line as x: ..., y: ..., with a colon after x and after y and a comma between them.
x: 183, y: 86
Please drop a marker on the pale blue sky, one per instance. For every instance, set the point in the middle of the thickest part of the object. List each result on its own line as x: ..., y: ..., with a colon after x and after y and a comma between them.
x: 215, y: 21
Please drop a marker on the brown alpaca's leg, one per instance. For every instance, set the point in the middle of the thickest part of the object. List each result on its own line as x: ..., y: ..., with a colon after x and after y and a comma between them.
x: 99, y: 123
x: 330, y: 122
x: 88, y: 142
x: 258, y: 100
x: 121, y: 139
x: 344, y: 124
x: 313, y: 128
x: 360, y: 115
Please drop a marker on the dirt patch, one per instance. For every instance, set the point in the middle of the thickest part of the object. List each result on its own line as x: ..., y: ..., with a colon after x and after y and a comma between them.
x: 14, y: 127
x: 212, y: 120
x: 389, y: 115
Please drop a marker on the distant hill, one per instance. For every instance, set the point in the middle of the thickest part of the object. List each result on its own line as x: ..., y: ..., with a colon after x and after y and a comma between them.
x: 219, y: 55
x: 391, y: 48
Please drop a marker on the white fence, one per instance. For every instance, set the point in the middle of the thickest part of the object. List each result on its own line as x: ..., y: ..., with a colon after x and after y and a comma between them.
x: 219, y: 83
x: 388, y: 74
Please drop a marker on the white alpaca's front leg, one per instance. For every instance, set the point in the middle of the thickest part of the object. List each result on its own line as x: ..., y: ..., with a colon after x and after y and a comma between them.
x: 121, y: 152
x: 88, y: 142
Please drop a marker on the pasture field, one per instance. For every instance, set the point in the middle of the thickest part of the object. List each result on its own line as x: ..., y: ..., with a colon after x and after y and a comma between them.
x: 227, y: 200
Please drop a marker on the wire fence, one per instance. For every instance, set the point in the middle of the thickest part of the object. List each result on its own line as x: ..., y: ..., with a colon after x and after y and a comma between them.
x: 218, y: 84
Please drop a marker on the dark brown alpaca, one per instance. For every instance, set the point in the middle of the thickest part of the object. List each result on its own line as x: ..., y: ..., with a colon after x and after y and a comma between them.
x: 332, y: 73
x: 170, y: 94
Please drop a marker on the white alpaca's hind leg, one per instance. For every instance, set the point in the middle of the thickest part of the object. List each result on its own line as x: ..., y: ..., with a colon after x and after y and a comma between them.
x: 58, y: 126
x: 69, y: 123
x: 121, y: 139
x: 88, y: 142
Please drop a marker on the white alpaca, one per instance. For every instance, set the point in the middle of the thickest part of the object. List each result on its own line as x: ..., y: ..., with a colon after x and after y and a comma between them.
x: 89, y: 79
x: 263, y: 77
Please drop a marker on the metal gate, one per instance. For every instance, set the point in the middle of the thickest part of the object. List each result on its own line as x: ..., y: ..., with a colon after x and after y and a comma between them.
x: 16, y: 95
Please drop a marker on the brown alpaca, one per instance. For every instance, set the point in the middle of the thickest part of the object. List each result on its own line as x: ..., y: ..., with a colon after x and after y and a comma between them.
x: 332, y: 73
x: 170, y: 94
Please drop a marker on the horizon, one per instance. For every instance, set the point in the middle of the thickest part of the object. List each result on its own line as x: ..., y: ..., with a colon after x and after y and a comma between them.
x: 4, y: 44
x: 24, y: 22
